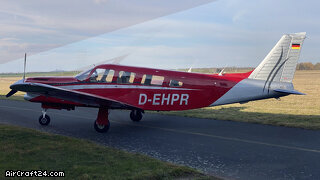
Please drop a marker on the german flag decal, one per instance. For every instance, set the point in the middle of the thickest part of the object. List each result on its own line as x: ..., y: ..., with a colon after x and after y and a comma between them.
x: 295, y: 46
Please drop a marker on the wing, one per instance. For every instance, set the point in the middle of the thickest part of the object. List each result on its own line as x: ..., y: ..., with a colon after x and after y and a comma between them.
x: 70, y: 95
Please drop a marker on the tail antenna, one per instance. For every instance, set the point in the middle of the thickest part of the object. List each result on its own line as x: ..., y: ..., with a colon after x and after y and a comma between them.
x: 24, y: 68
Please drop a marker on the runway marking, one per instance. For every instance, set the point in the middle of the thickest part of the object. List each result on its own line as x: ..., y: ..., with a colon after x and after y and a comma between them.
x: 188, y: 132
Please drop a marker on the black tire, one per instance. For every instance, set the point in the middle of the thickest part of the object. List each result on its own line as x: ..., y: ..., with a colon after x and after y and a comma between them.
x: 101, y: 128
x: 135, y: 115
x: 44, y: 121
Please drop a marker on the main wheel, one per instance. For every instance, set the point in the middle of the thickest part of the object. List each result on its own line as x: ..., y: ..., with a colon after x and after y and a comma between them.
x: 101, y: 128
x: 136, y: 115
x: 44, y: 121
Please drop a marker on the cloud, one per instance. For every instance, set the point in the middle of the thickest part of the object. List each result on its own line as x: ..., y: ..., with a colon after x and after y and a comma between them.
x: 58, y: 23
x: 231, y: 32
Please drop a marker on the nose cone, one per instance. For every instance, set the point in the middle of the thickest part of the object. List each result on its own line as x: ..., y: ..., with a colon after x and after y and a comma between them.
x: 16, y: 85
x: 14, y: 88
x: 20, y: 86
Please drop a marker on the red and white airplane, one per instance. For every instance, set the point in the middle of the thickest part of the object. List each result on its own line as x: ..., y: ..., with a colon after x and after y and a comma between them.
x: 110, y: 86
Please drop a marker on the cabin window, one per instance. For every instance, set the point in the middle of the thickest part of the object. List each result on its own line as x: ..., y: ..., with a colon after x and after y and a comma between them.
x: 132, y: 76
x: 175, y: 83
x: 126, y: 77
x: 157, y: 80
x: 146, y: 79
x: 152, y: 80
x: 107, y: 76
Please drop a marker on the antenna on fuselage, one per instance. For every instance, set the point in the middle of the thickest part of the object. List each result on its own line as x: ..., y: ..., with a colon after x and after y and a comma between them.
x: 194, y: 62
x: 222, y: 71
x: 24, y: 67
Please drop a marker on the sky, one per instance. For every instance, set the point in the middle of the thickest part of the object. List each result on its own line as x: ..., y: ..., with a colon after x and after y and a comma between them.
x: 208, y: 34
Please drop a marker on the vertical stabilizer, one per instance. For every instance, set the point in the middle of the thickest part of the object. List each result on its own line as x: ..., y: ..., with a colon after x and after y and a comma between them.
x: 280, y: 64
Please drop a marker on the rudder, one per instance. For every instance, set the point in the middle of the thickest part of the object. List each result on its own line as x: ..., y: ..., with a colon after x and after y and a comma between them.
x: 280, y: 64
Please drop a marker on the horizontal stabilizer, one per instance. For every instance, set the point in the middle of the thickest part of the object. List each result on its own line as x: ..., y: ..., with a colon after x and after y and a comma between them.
x: 288, y: 91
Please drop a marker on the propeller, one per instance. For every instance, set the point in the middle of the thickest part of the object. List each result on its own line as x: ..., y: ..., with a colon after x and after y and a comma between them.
x: 24, y: 67
x: 12, y: 92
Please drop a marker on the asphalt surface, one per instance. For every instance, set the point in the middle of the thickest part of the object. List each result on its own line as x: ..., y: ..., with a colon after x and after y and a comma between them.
x: 232, y: 150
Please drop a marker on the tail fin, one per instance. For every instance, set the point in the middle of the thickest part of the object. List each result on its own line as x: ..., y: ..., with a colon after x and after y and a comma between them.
x: 280, y: 64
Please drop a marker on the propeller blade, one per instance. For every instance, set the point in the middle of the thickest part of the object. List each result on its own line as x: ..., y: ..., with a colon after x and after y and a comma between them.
x: 24, y: 67
x: 12, y: 92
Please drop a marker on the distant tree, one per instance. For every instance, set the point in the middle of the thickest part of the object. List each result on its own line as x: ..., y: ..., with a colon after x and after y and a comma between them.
x: 316, y: 66
x: 305, y: 66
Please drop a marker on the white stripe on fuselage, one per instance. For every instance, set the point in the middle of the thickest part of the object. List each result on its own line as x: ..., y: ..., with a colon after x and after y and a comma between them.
x: 98, y: 86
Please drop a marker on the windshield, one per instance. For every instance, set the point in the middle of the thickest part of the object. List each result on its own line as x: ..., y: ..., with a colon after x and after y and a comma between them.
x: 83, y: 75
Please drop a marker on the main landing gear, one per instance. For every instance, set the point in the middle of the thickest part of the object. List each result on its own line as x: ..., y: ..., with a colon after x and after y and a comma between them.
x: 102, y: 124
x: 136, y: 115
x: 44, y: 119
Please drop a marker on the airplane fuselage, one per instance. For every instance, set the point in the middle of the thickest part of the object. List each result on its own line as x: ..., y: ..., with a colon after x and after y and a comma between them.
x: 190, y: 91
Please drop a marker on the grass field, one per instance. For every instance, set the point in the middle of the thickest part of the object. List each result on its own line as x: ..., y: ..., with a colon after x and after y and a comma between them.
x: 25, y: 149
x: 292, y: 111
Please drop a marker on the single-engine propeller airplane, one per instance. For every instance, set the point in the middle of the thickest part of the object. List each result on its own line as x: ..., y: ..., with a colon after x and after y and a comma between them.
x: 110, y: 86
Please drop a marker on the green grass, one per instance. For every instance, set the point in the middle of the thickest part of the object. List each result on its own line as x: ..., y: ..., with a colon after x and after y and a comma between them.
x: 25, y: 149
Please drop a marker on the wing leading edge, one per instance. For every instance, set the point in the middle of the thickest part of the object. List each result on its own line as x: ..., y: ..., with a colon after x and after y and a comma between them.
x: 70, y: 95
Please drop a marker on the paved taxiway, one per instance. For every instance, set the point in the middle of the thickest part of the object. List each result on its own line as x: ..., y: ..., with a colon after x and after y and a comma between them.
x: 228, y: 149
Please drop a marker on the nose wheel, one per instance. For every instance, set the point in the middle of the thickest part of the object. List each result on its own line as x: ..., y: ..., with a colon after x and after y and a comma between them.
x: 44, y: 119
x: 136, y: 115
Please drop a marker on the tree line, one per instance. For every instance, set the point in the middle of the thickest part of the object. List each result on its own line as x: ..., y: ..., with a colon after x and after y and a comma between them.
x: 308, y: 66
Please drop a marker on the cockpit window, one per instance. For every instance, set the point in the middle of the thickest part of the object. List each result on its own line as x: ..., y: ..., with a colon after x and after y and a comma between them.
x: 102, y: 76
x: 83, y: 75
x: 97, y: 75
